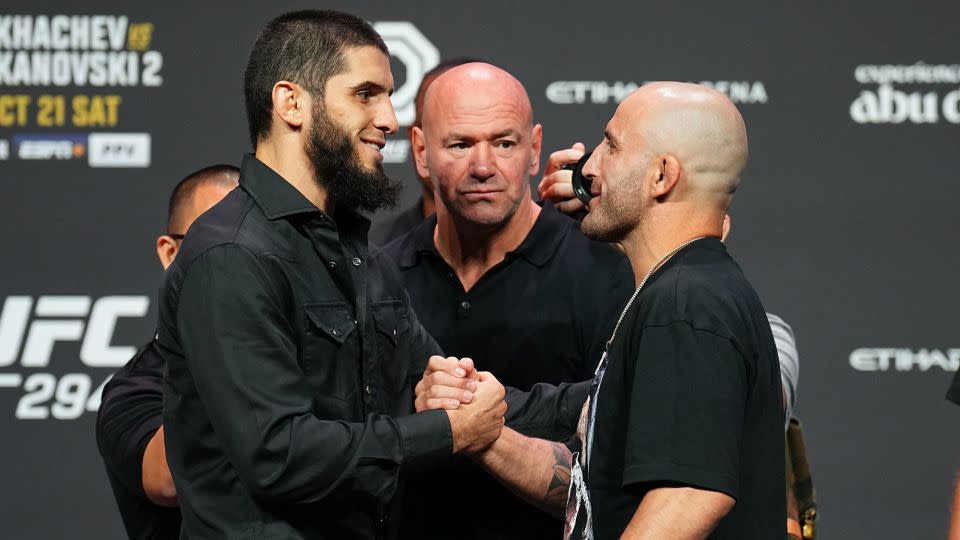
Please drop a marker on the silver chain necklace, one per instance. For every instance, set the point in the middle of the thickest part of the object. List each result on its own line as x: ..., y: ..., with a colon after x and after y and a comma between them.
x: 643, y: 282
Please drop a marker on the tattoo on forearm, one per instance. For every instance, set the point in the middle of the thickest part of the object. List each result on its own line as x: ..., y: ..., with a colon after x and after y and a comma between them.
x: 560, y: 480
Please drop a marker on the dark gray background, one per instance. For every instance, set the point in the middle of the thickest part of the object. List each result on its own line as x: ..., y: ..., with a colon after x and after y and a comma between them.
x: 844, y: 229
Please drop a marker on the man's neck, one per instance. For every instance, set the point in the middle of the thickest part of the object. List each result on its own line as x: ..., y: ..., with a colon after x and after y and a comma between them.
x: 661, y: 235
x: 472, y: 251
x: 294, y: 166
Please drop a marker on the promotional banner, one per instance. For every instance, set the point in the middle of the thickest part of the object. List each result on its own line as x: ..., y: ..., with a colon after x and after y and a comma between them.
x: 844, y: 220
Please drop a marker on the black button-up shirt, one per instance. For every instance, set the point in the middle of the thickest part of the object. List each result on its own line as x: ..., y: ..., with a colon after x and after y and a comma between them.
x: 292, y: 351
x: 541, y: 315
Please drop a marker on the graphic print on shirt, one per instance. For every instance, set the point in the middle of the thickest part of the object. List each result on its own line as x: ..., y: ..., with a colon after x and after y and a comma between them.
x: 579, y: 516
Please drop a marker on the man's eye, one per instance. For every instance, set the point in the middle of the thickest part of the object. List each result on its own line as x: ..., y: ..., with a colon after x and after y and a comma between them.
x: 364, y: 95
x: 506, y: 144
x: 457, y: 146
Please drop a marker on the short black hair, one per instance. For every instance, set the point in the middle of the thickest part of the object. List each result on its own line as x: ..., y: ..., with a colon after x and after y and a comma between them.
x: 304, y: 47
x: 220, y: 175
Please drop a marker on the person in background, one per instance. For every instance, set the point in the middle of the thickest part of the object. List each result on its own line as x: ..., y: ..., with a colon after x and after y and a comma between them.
x: 494, y: 276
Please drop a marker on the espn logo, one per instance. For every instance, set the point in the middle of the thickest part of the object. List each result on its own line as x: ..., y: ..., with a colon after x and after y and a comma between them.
x: 119, y: 150
x: 50, y: 146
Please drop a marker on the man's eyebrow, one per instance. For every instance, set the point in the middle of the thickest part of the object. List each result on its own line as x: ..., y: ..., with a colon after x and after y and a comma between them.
x: 507, y: 133
x: 373, y: 87
x: 456, y: 137
x: 609, y: 136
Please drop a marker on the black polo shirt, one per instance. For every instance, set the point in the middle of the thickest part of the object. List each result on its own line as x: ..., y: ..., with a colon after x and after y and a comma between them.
x: 131, y: 412
x: 292, y: 351
x: 541, y: 315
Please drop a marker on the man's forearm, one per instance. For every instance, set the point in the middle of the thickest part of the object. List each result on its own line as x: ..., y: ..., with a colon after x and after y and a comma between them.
x: 536, y: 470
x: 681, y: 513
x: 155, y: 473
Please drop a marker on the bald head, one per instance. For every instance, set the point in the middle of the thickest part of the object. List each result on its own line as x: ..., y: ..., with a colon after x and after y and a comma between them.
x: 478, y: 147
x: 698, y: 125
x: 196, y: 193
x: 476, y: 86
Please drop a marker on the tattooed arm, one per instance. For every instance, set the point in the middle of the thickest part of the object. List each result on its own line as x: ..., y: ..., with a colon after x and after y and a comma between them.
x: 536, y: 470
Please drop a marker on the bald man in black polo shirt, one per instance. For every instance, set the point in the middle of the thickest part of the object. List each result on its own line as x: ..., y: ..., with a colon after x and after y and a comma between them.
x: 496, y: 277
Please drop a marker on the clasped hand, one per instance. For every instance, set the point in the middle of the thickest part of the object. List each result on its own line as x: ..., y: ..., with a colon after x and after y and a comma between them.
x: 473, y: 401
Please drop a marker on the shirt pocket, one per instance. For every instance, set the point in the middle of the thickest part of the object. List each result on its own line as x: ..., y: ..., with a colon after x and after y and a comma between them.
x: 330, y: 353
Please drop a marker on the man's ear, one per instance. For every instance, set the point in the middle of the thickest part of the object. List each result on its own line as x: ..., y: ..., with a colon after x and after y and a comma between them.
x: 535, y: 146
x: 291, y: 104
x: 167, y: 249
x: 667, y: 174
x: 725, y: 230
x: 418, y: 144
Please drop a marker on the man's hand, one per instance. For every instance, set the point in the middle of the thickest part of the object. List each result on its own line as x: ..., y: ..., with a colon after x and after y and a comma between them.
x: 476, y: 425
x: 557, y: 183
x: 155, y: 474
x: 446, y: 383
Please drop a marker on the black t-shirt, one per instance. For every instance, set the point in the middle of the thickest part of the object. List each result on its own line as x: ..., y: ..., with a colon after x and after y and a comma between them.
x: 541, y: 315
x: 691, y: 396
x: 131, y: 411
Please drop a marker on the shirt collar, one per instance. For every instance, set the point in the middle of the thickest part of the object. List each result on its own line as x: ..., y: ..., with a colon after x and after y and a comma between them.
x: 275, y: 196
x: 538, y: 247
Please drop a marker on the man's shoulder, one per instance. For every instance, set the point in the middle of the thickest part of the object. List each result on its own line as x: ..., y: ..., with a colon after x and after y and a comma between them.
x: 234, y: 224
x: 703, y: 287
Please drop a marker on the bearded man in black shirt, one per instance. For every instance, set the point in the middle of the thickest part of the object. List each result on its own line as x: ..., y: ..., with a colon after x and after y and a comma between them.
x: 290, y: 344
x: 681, y: 436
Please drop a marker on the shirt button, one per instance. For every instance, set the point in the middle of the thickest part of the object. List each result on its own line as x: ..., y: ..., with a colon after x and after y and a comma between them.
x: 383, y: 521
x: 394, y: 332
x: 332, y: 265
x: 336, y: 332
x: 356, y: 261
x: 368, y: 389
x: 465, y: 304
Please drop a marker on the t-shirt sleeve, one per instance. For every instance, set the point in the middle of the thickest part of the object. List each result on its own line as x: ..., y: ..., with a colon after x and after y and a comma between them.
x: 686, y: 407
x: 131, y: 412
x: 789, y: 363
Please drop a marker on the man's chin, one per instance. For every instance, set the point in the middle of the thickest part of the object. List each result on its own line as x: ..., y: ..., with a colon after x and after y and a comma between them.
x: 593, y: 228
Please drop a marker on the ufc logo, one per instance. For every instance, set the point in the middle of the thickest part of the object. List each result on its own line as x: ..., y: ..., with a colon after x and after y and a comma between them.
x: 71, y: 323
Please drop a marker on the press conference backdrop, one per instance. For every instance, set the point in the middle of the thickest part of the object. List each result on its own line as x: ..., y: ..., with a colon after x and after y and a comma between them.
x: 845, y: 221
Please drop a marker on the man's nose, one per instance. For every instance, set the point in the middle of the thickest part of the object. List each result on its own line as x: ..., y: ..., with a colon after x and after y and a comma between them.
x: 386, y: 118
x: 481, y: 162
x: 591, y: 170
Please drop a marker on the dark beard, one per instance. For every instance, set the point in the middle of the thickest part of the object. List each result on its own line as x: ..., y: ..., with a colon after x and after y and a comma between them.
x: 340, y: 172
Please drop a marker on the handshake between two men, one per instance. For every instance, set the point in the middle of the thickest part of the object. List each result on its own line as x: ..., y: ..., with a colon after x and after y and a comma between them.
x: 534, y: 469
x: 474, y: 401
